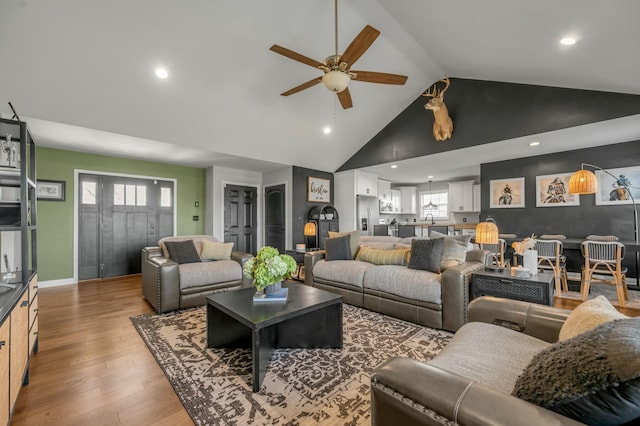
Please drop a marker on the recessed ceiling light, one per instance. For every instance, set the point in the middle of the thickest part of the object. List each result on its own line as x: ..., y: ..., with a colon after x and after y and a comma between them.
x: 394, y: 166
x: 326, y: 130
x: 568, y: 41
x: 161, y: 73
x: 429, y: 177
x: 534, y: 143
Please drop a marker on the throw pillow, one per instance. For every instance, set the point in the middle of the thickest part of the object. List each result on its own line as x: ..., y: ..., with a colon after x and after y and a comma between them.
x: 212, y: 250
x: 588, y: 316
x: 337, y: 248
x: 427, y: 255
x: 354, y: 240
x: 455, y: 249
x: 382, y: 257
x: 183, y: 251
x: 593, y: 378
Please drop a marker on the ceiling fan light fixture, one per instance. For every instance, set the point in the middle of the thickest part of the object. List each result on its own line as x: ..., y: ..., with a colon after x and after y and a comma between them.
x: 336, y: 81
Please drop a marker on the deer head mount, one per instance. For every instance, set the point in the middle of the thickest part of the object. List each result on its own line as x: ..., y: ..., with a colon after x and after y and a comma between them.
x: 442, y: 124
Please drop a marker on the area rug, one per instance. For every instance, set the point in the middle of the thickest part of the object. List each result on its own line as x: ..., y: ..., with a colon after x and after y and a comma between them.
x: 302, y: 386
x: 608, y: 291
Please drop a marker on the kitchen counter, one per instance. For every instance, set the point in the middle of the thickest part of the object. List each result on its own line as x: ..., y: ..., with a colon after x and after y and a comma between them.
x: 464, y: 225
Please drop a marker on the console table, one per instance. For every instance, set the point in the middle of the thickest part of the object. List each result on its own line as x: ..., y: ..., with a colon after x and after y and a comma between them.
x: 536, y: 288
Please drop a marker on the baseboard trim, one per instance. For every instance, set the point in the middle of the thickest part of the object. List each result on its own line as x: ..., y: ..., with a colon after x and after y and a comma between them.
x: 56, y: 283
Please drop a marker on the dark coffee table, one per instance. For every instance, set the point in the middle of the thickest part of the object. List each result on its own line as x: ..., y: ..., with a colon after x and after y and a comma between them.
x: 311, y: 318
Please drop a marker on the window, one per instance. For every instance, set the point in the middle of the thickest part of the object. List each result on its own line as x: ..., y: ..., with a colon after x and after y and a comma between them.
x: 440, y: 199
x: 88, y: 192
x: 165, y: 197
x: 130, y: 195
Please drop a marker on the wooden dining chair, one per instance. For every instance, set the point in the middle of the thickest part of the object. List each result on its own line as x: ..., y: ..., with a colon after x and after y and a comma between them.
x: 550, y: 258
x: 604, y: 258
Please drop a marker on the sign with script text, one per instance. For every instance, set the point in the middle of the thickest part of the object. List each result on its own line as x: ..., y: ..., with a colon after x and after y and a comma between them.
x: 318, y: 190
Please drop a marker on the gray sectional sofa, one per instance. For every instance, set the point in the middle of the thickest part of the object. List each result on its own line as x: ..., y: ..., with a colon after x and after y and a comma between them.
x: 419, y: 296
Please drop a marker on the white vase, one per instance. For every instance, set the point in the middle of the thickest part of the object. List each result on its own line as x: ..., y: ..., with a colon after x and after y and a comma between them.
x: 530, y: 261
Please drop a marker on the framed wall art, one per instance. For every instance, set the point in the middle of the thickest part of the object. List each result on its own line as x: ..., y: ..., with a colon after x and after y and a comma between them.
x: 51, y: 190
x: 612, y: 191
x: 506, y: 193
x: 318, y: 190
x: 553, y: 191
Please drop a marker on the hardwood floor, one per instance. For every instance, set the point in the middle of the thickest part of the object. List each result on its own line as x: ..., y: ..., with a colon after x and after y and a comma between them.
x: 94, y: 369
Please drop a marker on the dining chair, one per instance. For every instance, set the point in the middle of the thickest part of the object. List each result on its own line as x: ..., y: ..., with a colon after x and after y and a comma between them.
x: 604, y: 258
x: 405, y: 231
x: 552, y: 237
x: 379, y: 230
x: 602, y: 237
x: 496, y: 251
x: 550, y: 258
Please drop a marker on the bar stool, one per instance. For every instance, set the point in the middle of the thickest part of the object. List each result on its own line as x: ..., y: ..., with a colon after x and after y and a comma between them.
x: 604, y: 258
x: 405, y: 231
x: 380, y: 230
x: 550, y: 257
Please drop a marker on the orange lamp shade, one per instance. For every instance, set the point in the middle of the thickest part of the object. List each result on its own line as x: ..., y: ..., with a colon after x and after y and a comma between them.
x: 486, y: 233
x: 309, y: 229
x: 583, y: 182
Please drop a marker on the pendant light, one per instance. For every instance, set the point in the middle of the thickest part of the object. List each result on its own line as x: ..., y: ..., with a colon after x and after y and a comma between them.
x: 431, y: 206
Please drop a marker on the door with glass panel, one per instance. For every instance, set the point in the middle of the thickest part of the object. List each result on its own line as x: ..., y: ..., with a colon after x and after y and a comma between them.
x: 118, y: 216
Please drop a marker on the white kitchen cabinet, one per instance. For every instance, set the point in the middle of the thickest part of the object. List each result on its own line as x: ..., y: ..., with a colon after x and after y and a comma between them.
x: 461, y: 196
x: 366, y: 183
x: 396, y: 200
x: 408, y: 199
x: 476, y: 198
x: 384, y: 189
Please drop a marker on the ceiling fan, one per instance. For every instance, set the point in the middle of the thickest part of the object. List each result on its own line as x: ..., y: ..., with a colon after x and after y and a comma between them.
x: 337, y: 68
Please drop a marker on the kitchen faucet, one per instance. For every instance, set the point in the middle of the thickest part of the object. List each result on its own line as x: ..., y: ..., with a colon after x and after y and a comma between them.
x: 427, y: 217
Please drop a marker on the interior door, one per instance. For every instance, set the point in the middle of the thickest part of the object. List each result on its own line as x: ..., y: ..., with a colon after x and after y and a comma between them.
x: 274, y: 213
x: 240, y: 217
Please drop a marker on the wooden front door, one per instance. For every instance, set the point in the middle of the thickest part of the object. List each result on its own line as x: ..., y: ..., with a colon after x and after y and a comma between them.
x: 274, y: 213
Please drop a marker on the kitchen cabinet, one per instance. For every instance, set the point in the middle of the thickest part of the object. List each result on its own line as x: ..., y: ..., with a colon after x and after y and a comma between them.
x: 396, y: 200
x: 408, y: 199
x: 366, y: 183
x: 384, y: 189
x: 476, y: 198
x: 461, y: 196
x: 4, y: 372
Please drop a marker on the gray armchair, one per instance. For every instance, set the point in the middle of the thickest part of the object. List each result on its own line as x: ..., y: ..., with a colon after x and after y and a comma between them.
x: 169, y: 286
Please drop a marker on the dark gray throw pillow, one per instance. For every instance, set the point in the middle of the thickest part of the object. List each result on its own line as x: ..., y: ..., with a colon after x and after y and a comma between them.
x: 182, y: 251
x: 426, y: 254
x: 337, y: 248
x: 593, y: 378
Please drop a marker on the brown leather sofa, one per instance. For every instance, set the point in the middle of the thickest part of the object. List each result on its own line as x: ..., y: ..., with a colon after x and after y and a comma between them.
x: 168, y: 286
x: 422, y: 297
x: 446, y: 391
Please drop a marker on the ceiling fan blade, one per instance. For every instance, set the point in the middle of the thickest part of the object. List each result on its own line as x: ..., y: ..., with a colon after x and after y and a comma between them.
x: 295, y: 56
x: 379, y: 77
x: 359, y: 45
x: 303, y: 86
x: 345, y: 98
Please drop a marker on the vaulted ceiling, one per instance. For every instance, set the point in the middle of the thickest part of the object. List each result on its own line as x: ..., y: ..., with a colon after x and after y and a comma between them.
x: 82, y: 71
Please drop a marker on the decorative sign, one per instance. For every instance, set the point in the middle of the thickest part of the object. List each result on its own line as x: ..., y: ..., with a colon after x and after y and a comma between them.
x: 318, y: 190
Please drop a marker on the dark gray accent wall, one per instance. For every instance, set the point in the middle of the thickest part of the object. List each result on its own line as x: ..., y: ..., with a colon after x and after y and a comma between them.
x: 301, y: 206
x: 490, y: 111
x: 572, y: 221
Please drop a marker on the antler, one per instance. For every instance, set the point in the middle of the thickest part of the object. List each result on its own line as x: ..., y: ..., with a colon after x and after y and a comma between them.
x: 447, y: 83
x: 431, y: 94
x: 435, y: 93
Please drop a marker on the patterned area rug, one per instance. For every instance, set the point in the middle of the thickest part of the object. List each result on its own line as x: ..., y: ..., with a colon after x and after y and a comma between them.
x: 608, y: 291
x: 302, y: 386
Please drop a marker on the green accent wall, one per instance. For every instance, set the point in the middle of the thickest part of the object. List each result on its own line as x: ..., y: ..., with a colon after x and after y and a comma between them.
x: 56, y: 219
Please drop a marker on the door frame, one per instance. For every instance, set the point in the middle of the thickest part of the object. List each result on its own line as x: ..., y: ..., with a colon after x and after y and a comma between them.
x: 76, y: 207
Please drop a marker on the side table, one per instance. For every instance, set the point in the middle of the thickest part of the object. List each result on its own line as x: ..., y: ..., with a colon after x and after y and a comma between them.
x: 298, y: 256
x: 536, y: 288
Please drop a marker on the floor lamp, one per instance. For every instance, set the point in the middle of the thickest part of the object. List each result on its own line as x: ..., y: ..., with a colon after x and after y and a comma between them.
x: 585, y: 182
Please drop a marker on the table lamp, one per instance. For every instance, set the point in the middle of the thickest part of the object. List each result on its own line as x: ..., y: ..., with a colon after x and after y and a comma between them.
x: 310, y: 229
x: 487, y: 233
